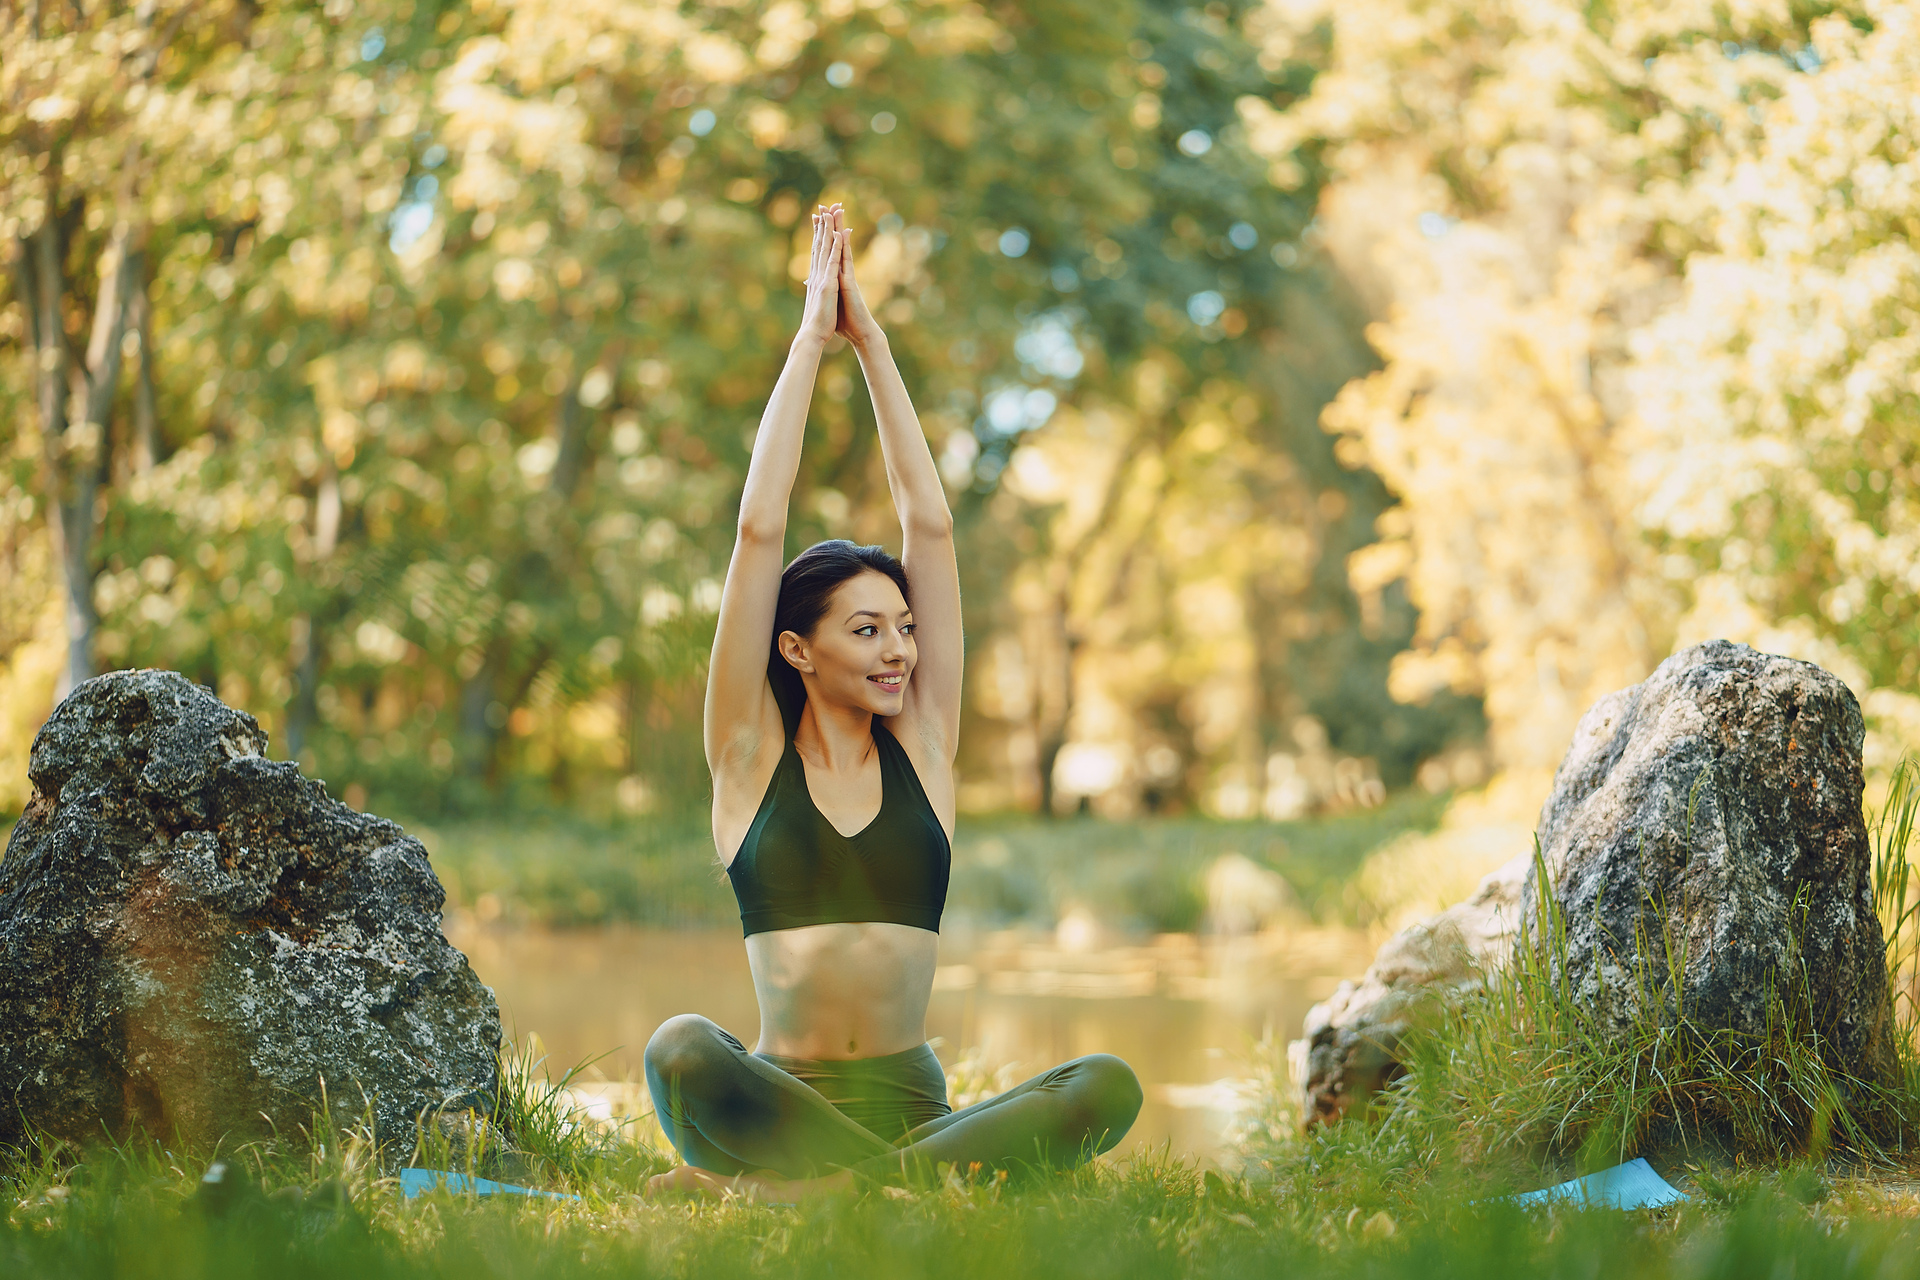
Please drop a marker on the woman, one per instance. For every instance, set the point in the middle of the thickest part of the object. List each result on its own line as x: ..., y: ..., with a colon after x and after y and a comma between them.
x: 832, y: 717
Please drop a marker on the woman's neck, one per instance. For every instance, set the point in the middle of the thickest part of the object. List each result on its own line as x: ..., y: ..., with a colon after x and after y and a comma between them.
x: 834, y: 738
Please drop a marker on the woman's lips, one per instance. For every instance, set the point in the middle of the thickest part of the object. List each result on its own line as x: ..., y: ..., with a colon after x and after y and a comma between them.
x: 890, y: 682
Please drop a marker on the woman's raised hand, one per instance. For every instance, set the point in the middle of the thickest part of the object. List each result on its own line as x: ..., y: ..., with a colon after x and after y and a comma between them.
x: 856, y: 324
x: 821, y: 317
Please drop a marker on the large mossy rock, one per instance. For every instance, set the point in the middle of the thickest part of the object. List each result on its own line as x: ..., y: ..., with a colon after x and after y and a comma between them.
x: 195, y: 939
x: 1710, y: 818
x: 1706, y: 821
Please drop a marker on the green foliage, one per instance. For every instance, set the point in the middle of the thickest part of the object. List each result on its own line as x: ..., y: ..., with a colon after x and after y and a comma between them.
x: 461, y: 315
x: 1642, y: 274
x: 556, y: 869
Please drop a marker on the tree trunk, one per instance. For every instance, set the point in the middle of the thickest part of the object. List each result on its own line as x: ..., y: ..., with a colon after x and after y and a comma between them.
x: 72, y: 452
x: 478, y: 698
x: 83, y: 454
x: 46, y: 270
x: 478, y: 733
x: 304, y: 650
x: 145, y: 443
x: 481, y: 701
x: 304, y: 710
x: 1053, y: 700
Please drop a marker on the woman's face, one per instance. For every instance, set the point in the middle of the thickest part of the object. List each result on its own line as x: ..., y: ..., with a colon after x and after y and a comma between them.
x: 861, y: 653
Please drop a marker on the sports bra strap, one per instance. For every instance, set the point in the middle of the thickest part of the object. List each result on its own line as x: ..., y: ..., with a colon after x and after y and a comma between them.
x: 794, y: 868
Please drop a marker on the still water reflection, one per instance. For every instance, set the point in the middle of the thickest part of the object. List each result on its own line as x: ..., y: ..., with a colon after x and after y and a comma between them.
x: 1183, y: 1011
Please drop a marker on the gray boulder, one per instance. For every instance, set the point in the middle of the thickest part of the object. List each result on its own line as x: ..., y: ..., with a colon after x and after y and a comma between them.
x: 1350, y: 1046
x: 1712, y: 813
x: 196, y: 939
x: 1711, y: 816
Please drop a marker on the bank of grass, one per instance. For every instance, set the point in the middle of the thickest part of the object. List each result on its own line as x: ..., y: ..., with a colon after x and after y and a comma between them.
x: 328, y: 1204
x: 556, y: 870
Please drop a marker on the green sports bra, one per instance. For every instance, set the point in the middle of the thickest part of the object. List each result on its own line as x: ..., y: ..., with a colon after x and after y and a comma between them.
x: 795, y: 869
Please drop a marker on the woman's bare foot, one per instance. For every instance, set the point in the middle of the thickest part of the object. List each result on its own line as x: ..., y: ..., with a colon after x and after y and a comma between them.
x: 689, y: 1181
x: 763, y: 1188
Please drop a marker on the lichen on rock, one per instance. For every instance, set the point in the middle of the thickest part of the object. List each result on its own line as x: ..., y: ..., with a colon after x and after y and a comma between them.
x: 196, y: 939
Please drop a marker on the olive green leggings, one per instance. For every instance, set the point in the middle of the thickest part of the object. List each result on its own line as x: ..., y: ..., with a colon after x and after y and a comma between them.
x: 729, y: 1111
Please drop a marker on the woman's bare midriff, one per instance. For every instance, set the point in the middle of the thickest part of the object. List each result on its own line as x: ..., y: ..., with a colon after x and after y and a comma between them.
x: 842, y: 991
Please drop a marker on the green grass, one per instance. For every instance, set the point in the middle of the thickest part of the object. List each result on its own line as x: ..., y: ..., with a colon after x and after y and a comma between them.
x: 1144, y: 875
x: 332, y: 1208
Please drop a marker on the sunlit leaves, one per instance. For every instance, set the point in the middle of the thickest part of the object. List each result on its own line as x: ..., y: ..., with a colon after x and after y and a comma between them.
x: 1646, y: 288
x: 465, y: 314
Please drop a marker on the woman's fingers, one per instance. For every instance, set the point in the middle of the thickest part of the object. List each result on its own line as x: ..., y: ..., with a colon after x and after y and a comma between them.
x: 829, y: 248
x: 830, y: 259
x: 823, y: 237
x: 843, y: 243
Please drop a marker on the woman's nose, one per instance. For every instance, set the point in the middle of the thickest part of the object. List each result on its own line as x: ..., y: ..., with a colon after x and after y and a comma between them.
x: 896, y: 646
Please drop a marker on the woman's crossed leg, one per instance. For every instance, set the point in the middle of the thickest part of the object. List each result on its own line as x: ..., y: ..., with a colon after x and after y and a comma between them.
x: 736, y: 1118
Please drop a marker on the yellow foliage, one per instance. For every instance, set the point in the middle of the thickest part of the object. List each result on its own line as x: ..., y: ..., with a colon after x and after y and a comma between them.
x: 33, y: 659
x: 1555, y: 408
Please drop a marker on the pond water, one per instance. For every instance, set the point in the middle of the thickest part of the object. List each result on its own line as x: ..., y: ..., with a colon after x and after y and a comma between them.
x: 1184, y: 1011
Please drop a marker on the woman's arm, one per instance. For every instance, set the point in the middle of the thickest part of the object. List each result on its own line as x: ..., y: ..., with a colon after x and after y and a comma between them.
x: 741, y: 717
x: 933, y: 694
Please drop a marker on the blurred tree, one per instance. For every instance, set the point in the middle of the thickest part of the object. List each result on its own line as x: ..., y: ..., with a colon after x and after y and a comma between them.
x: 1512, y: 186
x: 459, y: 315
x: 1179, y: 606
x: 83, y: 101
x: 1643, y: 298
x: 1776, y: 456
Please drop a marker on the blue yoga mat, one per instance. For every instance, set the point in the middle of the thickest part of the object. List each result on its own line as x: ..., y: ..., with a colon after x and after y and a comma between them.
x: 1633, y: 1185
x: 415, y: 1181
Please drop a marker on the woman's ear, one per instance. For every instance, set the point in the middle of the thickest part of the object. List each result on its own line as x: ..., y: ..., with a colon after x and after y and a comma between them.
x: 795, y: 650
